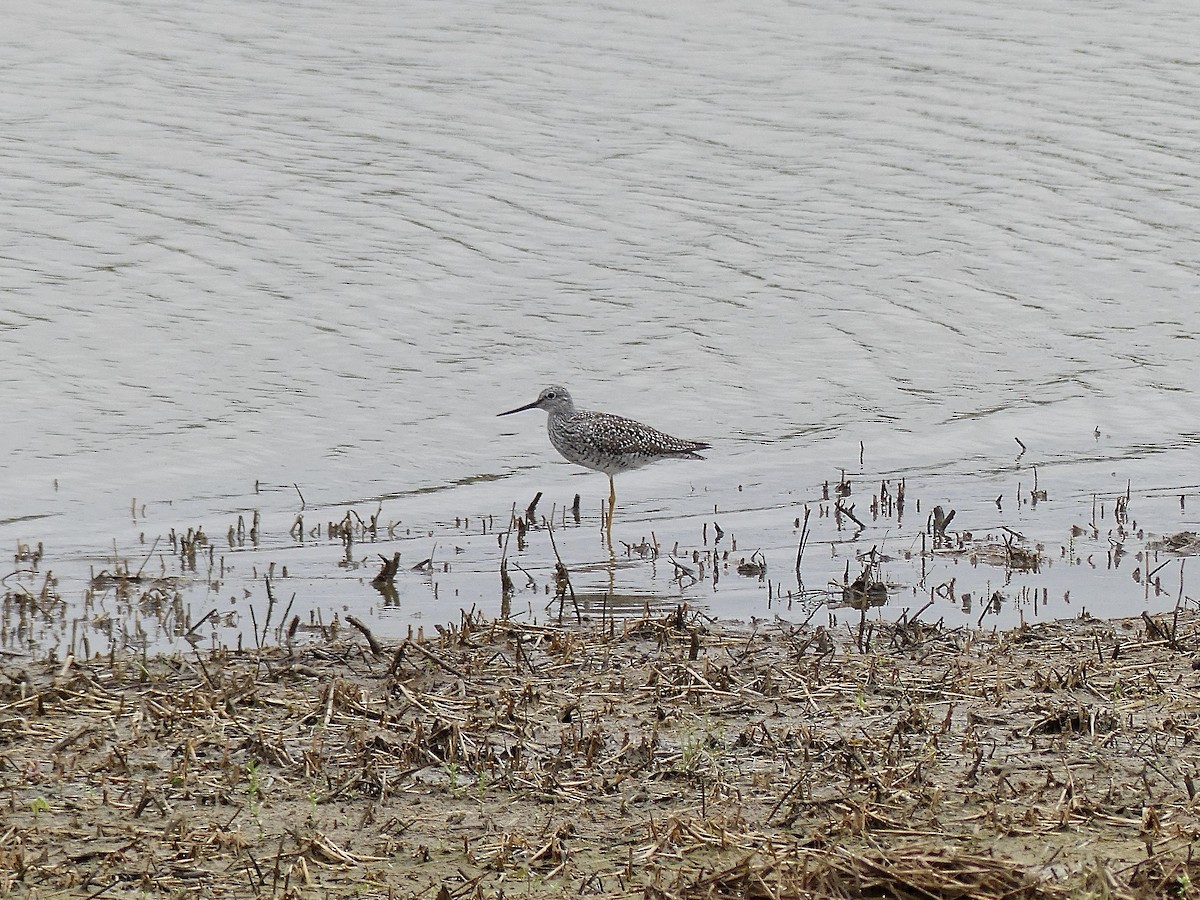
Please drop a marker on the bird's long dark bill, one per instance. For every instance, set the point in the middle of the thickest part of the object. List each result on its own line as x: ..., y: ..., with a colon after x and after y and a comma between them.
x: 518, y: 409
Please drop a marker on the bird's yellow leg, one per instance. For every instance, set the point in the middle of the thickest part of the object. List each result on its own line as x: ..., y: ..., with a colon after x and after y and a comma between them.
x: 612, y: 501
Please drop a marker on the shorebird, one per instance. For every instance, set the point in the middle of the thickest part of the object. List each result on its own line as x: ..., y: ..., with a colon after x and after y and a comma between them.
x: 604, y: 442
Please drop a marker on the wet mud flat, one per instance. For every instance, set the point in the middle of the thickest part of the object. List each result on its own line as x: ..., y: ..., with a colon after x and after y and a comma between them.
x: 659, y: 757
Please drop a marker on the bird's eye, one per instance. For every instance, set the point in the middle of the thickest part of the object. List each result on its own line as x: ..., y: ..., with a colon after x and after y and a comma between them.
x: 550, y: 395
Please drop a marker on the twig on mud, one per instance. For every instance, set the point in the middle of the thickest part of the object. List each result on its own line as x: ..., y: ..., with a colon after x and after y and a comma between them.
x: 432, y: 657
x: 376, y: 647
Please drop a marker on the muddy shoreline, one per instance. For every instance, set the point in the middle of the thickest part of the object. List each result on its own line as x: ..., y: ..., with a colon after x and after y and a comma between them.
x: 660, y: 757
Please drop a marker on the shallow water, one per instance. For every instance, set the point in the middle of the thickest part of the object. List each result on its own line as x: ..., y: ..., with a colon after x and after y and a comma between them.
x: 294, y: 257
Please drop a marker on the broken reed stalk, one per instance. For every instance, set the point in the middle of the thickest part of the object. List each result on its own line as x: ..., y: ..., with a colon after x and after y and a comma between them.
x: 917, y: 614
x: 849, y: 514
x: 291, y: 600
x: 432, y: 657
x: 270, y: 607
x: 387, y: 572
x: 1178, y: 605
x: 531, y: 510
x: 376, y: 647
x: 566, y: 579
x: 148, y: 555
x: 939, y: 521
x: 506, y: 585
x: 800, y: 548
x: 862, y: 627
x: 208, y: 615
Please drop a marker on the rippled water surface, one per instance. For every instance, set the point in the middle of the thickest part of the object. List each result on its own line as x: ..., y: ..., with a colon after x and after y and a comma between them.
x: 293, y: 257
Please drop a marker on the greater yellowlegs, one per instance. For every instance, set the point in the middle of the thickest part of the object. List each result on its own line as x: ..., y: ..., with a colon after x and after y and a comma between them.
x: 604, y: 442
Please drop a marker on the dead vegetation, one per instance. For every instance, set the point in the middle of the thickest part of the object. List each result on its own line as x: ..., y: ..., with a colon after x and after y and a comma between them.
x: 664, y: 758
